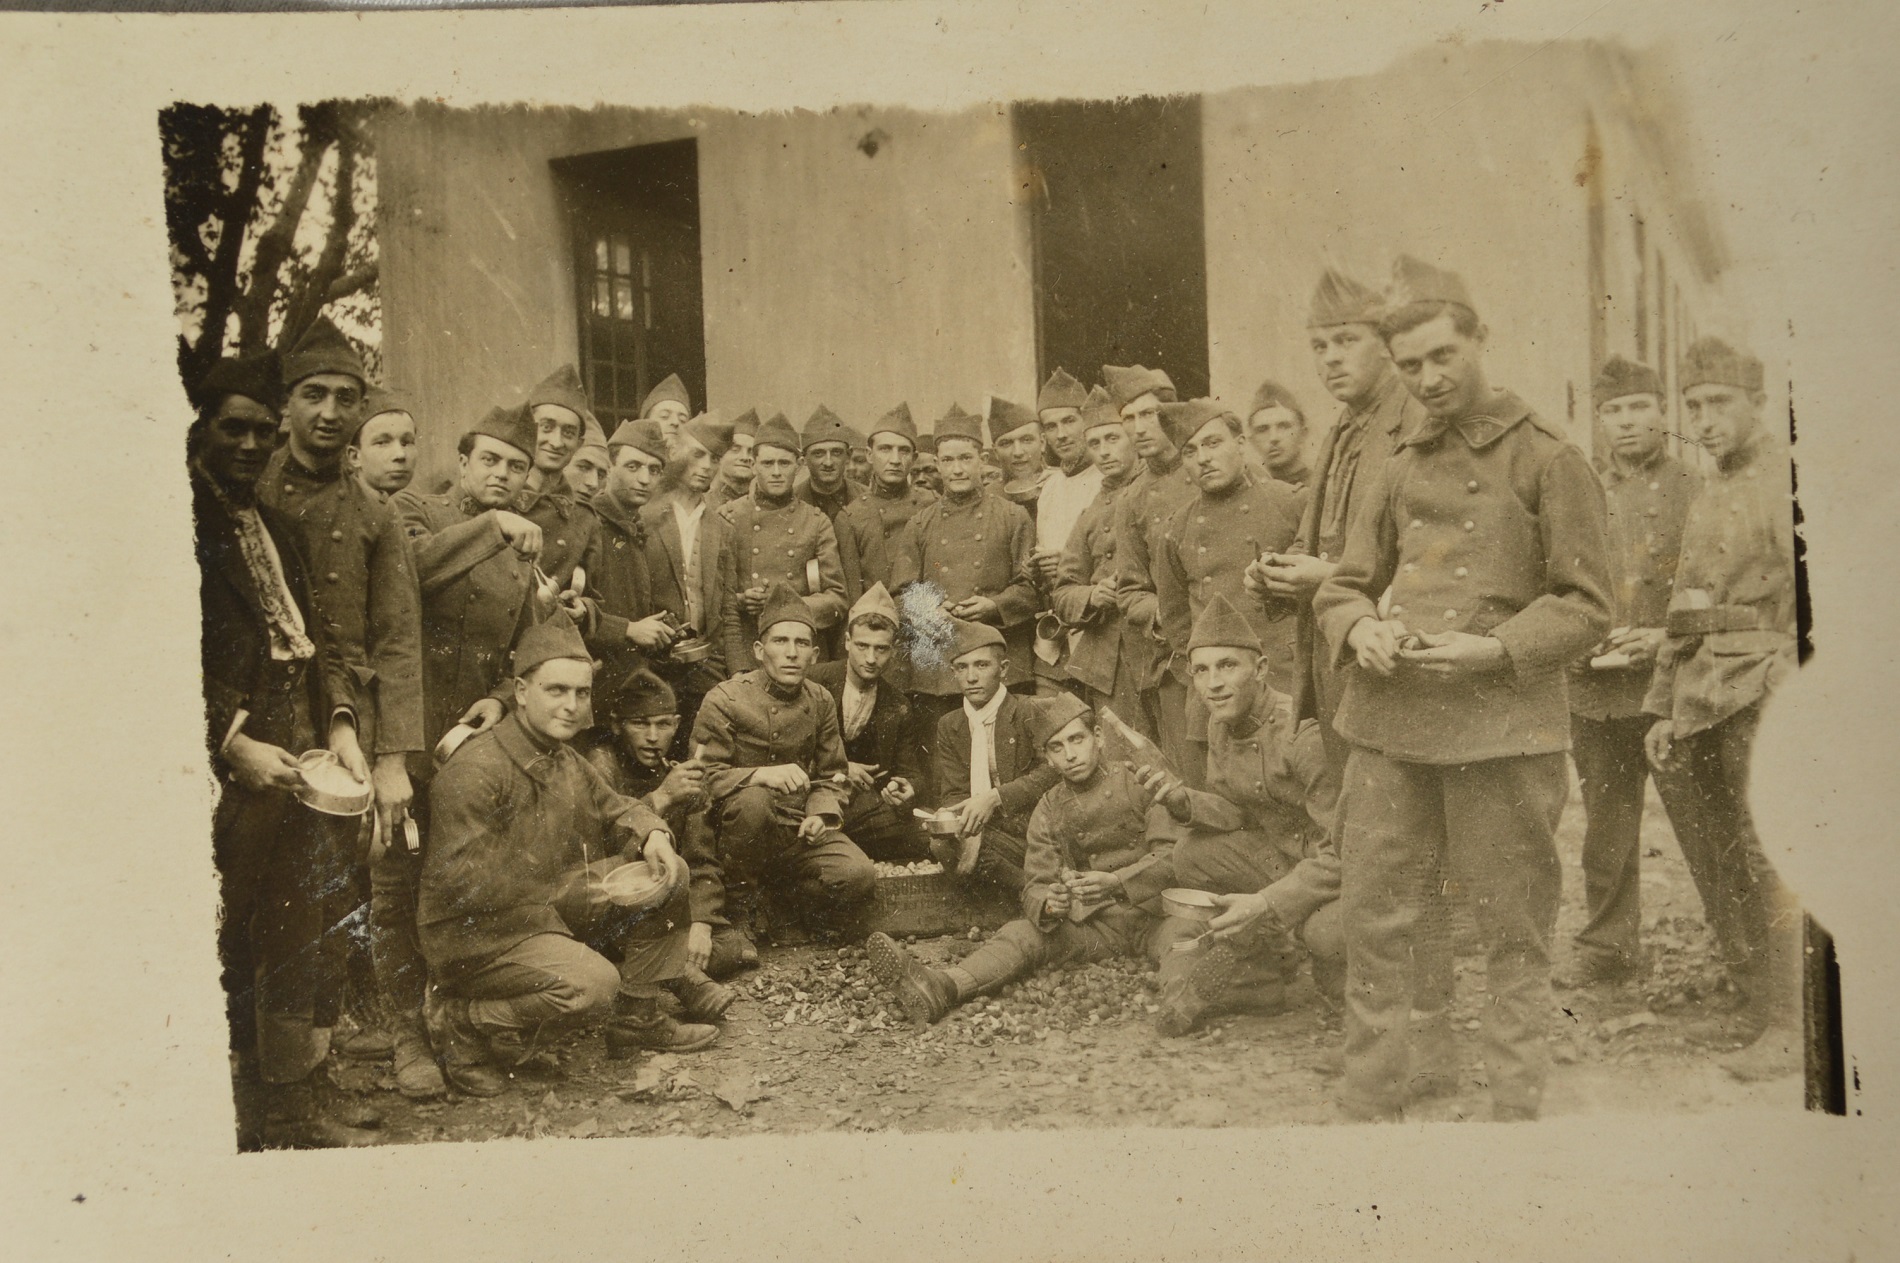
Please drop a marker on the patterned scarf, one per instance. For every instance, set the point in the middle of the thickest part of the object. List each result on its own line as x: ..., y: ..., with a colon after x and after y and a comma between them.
x: 288, y: 640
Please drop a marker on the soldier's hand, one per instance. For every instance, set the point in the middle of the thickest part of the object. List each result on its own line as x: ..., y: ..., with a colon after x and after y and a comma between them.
x: 1376, y: 642
x: 752, y: 600
x: 394, y: 793
x: 699, y: 945
x: 1102, y: 597
x: 522, y: 535
x: 1291, y: 574
x: 862, y: 776
x: 685, y: 782
x: 1094, y: 887
x: 260, y: 765
x: 1642, y: 644
x: 1659, y: 743
x: 785, y: 778
x: 898, y: 792
x: 976, y: 609
x: 1056, y: 903
x: 974, y: 813
x: 1455, y: 653
x: 484, y: 714
x: 665, y: 861
x: 652, y: 633
x: 1046, y: 563
x: 348, y: 751
x: 1238, y: 913
x: 812, y: 828
x: 1165, y: 788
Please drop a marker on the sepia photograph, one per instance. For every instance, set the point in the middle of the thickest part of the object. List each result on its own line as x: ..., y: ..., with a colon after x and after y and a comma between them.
x: 1062, y: 613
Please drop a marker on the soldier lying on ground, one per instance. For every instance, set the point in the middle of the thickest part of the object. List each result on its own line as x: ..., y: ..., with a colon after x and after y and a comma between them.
x: 1096, y: 860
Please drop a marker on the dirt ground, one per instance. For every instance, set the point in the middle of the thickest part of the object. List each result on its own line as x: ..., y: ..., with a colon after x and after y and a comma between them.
x: 808, y: 1045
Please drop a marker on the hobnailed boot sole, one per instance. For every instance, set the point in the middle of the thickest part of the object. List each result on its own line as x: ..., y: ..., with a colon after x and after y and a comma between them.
x: 902, y: 973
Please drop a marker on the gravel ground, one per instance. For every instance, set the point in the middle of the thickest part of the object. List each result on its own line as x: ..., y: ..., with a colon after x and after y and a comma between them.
x: 811, y: 1045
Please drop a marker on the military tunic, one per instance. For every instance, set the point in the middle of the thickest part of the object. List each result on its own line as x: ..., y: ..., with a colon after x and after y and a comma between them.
x: 365, y: 595
x: 710, y: 606
x: 475, y: 602
x: 619, y: 592
x: 1141, y: 514
x: 978, y: 547
x: 1103, y: 650
x: 569, y: 531
x: 781, y: 542
x: 872, y: 523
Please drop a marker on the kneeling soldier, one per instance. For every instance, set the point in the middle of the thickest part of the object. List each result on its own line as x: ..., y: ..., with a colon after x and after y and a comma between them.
x: 512, y: 916
x: 1259, y: 838
x: 875, y: 718
x: 1096, y: 860
x: 776, y: 771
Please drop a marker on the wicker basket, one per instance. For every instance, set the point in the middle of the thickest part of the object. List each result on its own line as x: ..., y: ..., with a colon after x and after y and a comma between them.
x: 924, y: 904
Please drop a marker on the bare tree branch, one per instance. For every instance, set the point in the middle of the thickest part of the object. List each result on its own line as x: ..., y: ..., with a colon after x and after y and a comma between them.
x: 279, y: 240
x: 221, y: 272
x: 352, y: 282
x: 301, y: 311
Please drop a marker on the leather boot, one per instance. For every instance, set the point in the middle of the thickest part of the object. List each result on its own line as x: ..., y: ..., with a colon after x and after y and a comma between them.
x: 418, y: 1077
x: 465, y: 1060
x: 639, y: 1027
x: 1434, y: 1057
x: 927, y: 994
x: 1189, y: 998
x: 296, y: 1119
x: 701, y: 999
x: 1776, y: 1052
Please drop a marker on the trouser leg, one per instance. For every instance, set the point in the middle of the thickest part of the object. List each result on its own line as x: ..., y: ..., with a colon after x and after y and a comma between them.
x: 650, y: 945
x: 1392, y: 833
x: 1611, y: 770
x: 1324, y: 937
x: 1501, y: 818
x: 1019, y: 948
x: 395, y: 951
x: 1000, y: 861
x: 883, y: 832
x: 925, y: 710
x: 834, y: 883
x: 731, y: 952
x: 545, y: 978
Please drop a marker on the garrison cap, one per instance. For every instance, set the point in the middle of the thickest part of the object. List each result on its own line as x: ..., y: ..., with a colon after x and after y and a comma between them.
x: 1340, y: 300
x: 1182, y: 421
x: 259, y: 378
x: 1273, y: 395
x: 513, y: 426
x: 710, y: 433
x: 746, y: 422
x: 1099, y: 409
x: 896, y: 421
x: 973, y: 636
x: 323, y: 349
x: 671, y: 389
x: 778, y: 432
x: 546, y: 641
x: 957, y: 424
x: 825, y: 426
x: 562, y: 388
x: 643, y: 434
x: 1061, y: 391
x: 377, y: 402
x: 642, y: 695
x: 1125, y: 385
x: 1713, y: 362
x: 1619, y: 377
x: 876, y: 600
x: 1415, y: 281
x: 1053, y: 715
x: 783, y: 605
x: 591, y: 433
x: 1220, y: 624
x: 1007, y: 418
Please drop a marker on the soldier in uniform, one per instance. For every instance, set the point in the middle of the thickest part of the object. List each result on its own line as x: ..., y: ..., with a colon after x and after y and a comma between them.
x: 517, y: 929
x: 270, y: 680
x: 1648, y: 494
x: 382, y: 455
x: 1731, y: 642
x: 558, y: 406
x: 777, y: 775
x: 1067, y: 491
x: 875, y: 720
x: 668, y: 406
x: 1276, y: 433
x: 689, y: 559
x: 1259, y: 836
x: 621, y: 620
x: 1102, y: 658
x: 1016, y: 440
x: 924, y: 473
x: 734, y: 480
x: 587, y: 472
x: 828, y: 444
x: 1162, y: 486
x: 778, y: 538
x: 1210, y: 541
x: 1097, y: 857
x: 1488, y: 528
x: 366, y: 597
x: 872, y: 522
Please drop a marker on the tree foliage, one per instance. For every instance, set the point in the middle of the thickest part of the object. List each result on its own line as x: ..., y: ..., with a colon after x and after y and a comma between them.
x: 269, y: 226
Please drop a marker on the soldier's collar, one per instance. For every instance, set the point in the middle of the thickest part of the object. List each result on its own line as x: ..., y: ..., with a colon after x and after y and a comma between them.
x: 528, y: 752
x: 1494, y: 418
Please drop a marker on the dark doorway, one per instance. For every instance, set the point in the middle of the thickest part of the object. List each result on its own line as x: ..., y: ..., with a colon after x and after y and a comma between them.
x: 1118, y: 237
x: 635, y: 220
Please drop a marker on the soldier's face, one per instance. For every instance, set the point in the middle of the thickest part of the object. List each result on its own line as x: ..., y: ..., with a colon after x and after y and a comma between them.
x: 858, y: 468
x: 555, y: 698
x: 634, y: 474
x: 384, y: 454
x: 773, y: 469
x: 1061, y: 432
x: 669, y: 416
x: 1228, y: 680
x: 649, y: 737
x: 1633, y: 424
x: 320, y: 410
x: 980, y: 673
x: 892, y: 458
x: 924, y: 472
x: 785, y: 651
x: 1143, y: 415
x: 694, y: 464
x: 1215, y: 456
x: 1277, y: 435
x: 1112, y: 449
x: 586, y: 474
x: 1020, y: 450
x: 1721, y: 418
x: 1350, y: 360
x: 557, y: 436
x: 1443, y: 368
x: 238, y: 441
x: 826, y: 461
x: 1074, y: 750
x: 493, y: 472
x: 869, y: 651
x: 736, y: 464
x: 960, y: 461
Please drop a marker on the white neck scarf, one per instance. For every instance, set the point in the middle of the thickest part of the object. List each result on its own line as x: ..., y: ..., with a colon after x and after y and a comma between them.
x: 983, y: 743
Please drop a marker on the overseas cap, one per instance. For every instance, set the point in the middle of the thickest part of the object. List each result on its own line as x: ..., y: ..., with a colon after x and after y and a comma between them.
x: 1713, y: 362
x: 513, y: 426
x: 783, y: 605
x: 544, y: 642
x: 710, y: 433
x: 778, y: 432
x: 1621, y: 377
x: 671, y: 389
x: 973, y: 636
x: 1340, y: 300
x: 1128, y: 384
x: 825, y: 426
x: 562, y: 388
x: 896, y: 421
x: 876, y: 600
x: 1415, y: 281
x: 322, y: 349
x: 1061, y: 391
x: 1220, y: 624
x: 259, y: 378
x: 645, y: 435
x: 1005, y: 418
x: 1055, y: 714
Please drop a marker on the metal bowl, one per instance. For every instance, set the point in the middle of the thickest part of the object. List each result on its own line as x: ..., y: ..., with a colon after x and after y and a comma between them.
x: 1189, y: 905
x: 329, y: 787
x: 693, y: 649
x: 942, y: 822
x: 634, y: 885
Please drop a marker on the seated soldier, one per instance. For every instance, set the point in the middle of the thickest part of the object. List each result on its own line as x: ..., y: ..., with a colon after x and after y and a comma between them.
x: 1259, y: 838
x: 875, y: 720
x: 642, y: 716
x: 512, y: 916
x: 775, y: 771
x: 987, y: 765
x: 1097, y: 857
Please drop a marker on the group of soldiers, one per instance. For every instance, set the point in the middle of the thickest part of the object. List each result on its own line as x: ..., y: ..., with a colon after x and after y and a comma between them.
x: 621, y: 699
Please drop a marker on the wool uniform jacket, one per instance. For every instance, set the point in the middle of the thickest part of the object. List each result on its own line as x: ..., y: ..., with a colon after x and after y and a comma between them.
x: 475, y: 603
x: 780, y: 542
x: 1493, y: 525
x: 1731, y: 618
x: 666, y: 566
x: 1206, y: 547
x: 1107, y: 826
x: 1273, y: 784
x: 364, y: 592
x: 851, y: 557
x: 619, y: 592
x: 1103, y: 651
x: 1022, y: 777
x: 1141, y: 515
x: 885, y: 740
x: 1647, y: 508
x: 869, y: 527
x: 1353, y: 452
x: 234, y: 649
x: 981, y: 547
x: 569, y: 531
x: 512, y: 820
x: 748, y: 723
x: 692, y: 832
